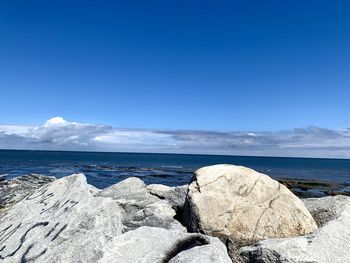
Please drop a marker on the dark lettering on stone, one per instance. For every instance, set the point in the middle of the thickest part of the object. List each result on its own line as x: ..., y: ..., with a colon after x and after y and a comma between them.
x: 4, y: 235
x: 23, y: 239
x: 68, y: 207
x: 46, y: 197
x: 51, y: 230
x: 35, y: 195
x: 24, y: 258
x: 59, y: 232
x: 53, y: 208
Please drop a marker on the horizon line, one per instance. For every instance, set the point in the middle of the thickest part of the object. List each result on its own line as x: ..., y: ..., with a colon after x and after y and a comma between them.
x: 169, y: 153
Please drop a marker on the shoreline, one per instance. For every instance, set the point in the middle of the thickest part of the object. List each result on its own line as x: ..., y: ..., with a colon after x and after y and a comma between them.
x: 71, y: 215
x: 303, y: 188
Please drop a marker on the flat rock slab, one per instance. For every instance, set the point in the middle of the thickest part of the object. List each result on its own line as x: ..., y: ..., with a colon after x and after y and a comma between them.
x: 241, y: 204
x: 328, y: 244
x: 60, y: 222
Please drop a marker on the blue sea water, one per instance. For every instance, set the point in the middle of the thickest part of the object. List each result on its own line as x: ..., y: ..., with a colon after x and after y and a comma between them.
x: 104, y: 169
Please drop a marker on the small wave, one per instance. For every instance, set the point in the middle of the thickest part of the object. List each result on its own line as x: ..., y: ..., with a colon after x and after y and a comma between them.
x: 172, y: 166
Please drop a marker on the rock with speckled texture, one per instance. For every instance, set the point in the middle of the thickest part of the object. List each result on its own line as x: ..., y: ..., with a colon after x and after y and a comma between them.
x: 239, y: 203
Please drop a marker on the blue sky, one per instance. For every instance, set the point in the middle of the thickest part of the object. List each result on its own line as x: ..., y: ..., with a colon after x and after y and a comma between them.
x: 229, y: 66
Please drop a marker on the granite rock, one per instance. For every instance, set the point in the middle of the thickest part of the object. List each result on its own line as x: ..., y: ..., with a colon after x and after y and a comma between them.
x: 239, y: 203
x: 139, y: 207
x: 176, y: 196
x: 126, y: 187
x: 327, y: 208
x: 159, y: 245
x: 328, y: 244
x: 60, y: 222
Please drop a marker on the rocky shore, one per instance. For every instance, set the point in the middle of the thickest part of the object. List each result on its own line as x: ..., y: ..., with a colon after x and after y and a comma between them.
x: 225, y: 214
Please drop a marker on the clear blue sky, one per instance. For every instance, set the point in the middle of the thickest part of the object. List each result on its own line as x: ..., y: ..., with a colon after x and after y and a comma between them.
x: 211, y: 65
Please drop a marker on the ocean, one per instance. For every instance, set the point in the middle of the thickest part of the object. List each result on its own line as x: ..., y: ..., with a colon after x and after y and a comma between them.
x: 104, y: 169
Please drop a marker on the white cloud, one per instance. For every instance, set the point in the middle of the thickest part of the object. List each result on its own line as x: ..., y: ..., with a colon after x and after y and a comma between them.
x: 59, y: 134
x: 56, y: 121
x: 13, y: 129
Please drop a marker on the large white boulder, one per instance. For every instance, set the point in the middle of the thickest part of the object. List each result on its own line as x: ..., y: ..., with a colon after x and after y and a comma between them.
x: 328, y: 244
x: 246, y: 206
x: 60, y: 222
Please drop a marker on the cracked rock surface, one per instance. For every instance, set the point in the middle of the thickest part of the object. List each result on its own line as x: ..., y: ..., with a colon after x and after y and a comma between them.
x: 239, y: 203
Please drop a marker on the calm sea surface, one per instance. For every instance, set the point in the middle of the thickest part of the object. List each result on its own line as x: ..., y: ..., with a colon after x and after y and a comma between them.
x: 104, y: 169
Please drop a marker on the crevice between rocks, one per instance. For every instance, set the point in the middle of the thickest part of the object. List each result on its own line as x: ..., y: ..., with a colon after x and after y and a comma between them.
x: 185, y: 244
x: 179, y: 210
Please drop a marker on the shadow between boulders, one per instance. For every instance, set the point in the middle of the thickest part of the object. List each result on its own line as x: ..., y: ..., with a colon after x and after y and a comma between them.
x: 185, y: 244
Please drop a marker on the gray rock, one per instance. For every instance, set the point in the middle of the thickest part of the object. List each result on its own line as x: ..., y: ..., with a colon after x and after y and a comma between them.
x: 328, y: 244
x: 60, y: 222
x: 14, y: 190
x: 327, y: 208
x: 176, y: 196
x: 139, y: 207
x: 126, y: 187
x: 213, y: 252
x: 158, y: 245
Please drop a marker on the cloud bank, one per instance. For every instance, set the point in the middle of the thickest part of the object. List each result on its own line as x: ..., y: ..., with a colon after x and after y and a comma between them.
x: 59, y: 134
